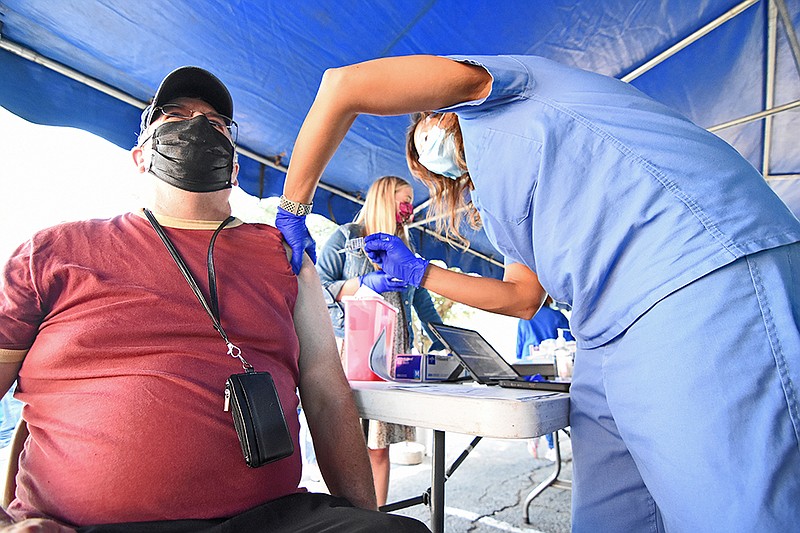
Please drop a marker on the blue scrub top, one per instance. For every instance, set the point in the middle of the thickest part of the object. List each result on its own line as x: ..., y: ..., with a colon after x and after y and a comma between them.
x: 612, y: 198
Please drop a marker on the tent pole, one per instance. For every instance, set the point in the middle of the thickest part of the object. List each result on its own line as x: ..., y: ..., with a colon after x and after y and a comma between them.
x: 422, y: 222
x: 782, y: 177
x: 677, y: 47
x: 422, y: 206
x: 461, y: 247
x: 769, y: 83
x: 755, y: 116
x: 104, y: 88
x: 260, y: 181
x: 73, y: 74
x: 64, y: 70
x: 791, y: 35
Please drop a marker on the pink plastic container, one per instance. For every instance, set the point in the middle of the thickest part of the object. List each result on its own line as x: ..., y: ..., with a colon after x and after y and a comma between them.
x: 364, y: 319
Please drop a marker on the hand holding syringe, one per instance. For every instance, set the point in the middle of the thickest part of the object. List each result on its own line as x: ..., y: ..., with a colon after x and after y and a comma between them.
x: 378, y: 281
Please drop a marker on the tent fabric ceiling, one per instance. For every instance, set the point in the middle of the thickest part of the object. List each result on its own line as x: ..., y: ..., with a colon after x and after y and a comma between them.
x: 272, y: 56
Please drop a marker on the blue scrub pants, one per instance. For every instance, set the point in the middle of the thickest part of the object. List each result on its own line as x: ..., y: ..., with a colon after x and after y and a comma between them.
x: 690, y: 420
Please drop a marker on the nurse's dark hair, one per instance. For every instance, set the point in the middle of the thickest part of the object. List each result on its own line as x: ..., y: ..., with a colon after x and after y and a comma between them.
x: 450, y: 203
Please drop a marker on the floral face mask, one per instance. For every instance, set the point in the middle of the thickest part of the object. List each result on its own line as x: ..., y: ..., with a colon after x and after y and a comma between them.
x: 405, y: 213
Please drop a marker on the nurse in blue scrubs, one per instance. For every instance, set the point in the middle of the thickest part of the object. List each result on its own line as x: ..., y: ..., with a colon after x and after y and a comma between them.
x: 681, y: 265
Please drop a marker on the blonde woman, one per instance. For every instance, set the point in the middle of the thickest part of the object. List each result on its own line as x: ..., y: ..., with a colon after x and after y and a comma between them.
x: 387, y: 209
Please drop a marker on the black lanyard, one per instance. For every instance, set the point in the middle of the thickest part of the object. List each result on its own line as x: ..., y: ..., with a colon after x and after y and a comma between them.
x: 213, y: 309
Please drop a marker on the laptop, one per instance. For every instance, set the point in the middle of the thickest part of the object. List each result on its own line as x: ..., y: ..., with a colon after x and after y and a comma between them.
x: 484, y: 363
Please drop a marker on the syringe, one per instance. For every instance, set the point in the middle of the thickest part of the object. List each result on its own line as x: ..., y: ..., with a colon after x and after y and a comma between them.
x: 352, y: 245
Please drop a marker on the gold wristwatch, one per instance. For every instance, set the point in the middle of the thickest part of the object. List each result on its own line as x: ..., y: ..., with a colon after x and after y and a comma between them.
x: 295, y: 208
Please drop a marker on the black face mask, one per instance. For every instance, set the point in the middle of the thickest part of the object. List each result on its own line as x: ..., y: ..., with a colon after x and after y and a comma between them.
x: 192, y: 155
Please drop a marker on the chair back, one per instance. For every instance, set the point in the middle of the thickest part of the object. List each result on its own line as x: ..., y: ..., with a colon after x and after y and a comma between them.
x: 15, y: 449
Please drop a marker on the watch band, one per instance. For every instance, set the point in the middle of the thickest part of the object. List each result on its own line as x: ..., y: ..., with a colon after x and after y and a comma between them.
x: 295, y: 208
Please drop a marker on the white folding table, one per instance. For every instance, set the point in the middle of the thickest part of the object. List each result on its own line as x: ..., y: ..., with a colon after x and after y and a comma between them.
x: 462, y: 408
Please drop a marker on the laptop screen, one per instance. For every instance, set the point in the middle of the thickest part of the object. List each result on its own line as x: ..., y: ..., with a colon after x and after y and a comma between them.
x: 482, y: 361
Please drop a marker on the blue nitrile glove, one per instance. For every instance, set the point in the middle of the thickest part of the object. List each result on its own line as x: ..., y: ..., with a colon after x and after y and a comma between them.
x: 537, y: 377
x: 393, y: 256
x: 296, y: 233
x: 380, y: 281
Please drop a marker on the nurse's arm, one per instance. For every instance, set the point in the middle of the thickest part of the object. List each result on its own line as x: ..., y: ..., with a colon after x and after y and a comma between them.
x: 519, y: 294
x: 387, y: 86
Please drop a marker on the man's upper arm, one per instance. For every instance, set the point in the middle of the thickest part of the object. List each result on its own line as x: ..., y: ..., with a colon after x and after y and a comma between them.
x: 320, y: 367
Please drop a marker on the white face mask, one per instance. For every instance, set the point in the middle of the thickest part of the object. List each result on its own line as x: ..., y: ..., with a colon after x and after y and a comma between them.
x: 438, y: 153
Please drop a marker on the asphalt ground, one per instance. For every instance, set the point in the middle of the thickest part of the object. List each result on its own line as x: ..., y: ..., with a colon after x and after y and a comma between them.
x: 486, y: 493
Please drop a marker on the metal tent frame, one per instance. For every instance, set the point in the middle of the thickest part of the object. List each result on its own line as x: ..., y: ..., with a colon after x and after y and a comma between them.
x: 778, y: 16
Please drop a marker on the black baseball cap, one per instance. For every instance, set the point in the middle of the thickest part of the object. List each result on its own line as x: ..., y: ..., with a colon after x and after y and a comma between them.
x: 191, y: 82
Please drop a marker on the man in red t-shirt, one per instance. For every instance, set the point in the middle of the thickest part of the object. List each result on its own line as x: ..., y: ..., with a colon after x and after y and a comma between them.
x: 122, y: 373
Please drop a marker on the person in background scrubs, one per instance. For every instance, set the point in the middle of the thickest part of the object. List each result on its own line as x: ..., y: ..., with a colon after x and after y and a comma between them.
x: 530, y: 333
x: 544, y: 325
x: 681, y: 266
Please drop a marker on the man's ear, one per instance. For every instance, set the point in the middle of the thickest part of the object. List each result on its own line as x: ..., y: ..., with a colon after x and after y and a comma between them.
x: 235, y: 174
x: 137, y: 154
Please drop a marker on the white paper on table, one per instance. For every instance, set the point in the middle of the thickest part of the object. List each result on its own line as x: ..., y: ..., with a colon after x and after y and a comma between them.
x: 476, y: 391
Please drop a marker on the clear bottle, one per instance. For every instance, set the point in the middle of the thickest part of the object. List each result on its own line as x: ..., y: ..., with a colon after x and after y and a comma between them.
x: 562, y: 356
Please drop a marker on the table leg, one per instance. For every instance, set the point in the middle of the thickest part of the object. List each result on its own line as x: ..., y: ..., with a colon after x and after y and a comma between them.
x: 551, y: 481
x: 365, y: 428
x: 425, y: 498
x: 437, y: 483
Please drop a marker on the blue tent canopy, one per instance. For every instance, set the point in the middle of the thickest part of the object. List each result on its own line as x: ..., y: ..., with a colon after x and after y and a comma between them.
x: 729, y: 65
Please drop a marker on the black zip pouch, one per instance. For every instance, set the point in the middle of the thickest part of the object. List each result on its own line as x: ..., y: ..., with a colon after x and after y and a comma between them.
x: 258, y: 418
x: 251, y: 396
